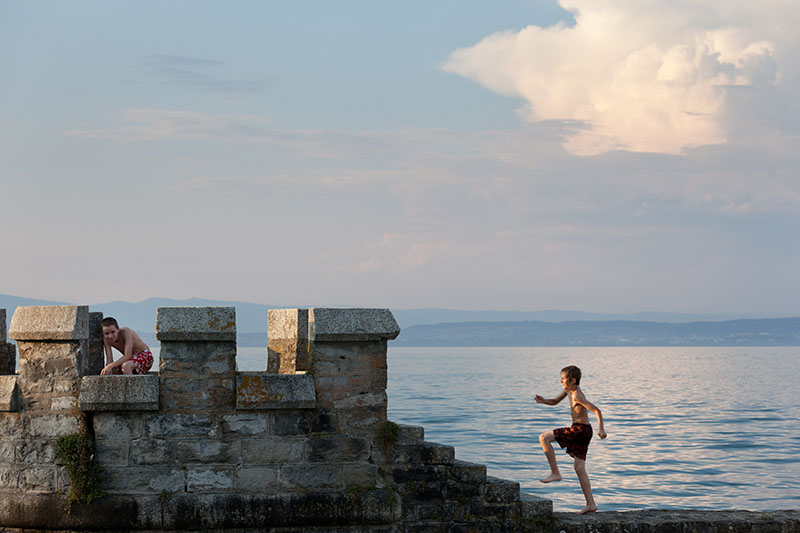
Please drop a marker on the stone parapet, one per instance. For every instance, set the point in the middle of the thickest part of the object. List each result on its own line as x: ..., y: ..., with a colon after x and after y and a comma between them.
x: 119, y: 393
x: 196, y: 324
x: 351, y: 324
x: 50, y: 323
x: 200, y: 446
x: 258, y: 390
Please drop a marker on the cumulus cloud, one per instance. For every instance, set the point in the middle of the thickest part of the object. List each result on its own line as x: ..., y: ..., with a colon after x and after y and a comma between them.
x: 639, y: 75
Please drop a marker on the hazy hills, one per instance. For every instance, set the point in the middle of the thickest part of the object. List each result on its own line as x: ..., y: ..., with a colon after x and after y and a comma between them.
x: 450, y: 327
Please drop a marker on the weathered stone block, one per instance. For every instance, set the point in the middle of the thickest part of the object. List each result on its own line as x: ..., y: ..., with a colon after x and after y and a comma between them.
x: 208, y: 479
x: 2, y: 326
x: 53, y: 425
x: 338, y: 449
x: 357, y: 324
x: 501, y: 490
x: 117, y: 426
x: 50, y: 322
x: 362, y: 475
x: 196, y: 324
x: 111, y: 452
x: 180, y: 425
x: 12, y: 425
x: 466, y: 472
x: 35, y: 452
x: 119, y: 393
x: 260, y: 478
x: 62, y: 403
x: 287, y: 423
x: 531, y: 506
x: 38, y: 479
x: 207, y: 451
x: 245, y: 424
x: 9, y: 393
x: 9, y: 477
x: 7, y: 451
x: 151, y: 452
x: 272, y: 450
x: 137, y: 480
x: 258, y: 390
x: 95, y: 360
x: 189, y: 357
x: 287, y: 339
x: 408, y: 435
x: 311, y: 477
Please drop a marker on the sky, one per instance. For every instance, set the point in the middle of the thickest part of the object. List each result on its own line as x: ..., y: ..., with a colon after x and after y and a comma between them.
x: 615, y: 156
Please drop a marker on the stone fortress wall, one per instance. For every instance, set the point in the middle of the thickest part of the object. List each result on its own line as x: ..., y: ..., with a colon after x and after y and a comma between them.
x: 197, y: 445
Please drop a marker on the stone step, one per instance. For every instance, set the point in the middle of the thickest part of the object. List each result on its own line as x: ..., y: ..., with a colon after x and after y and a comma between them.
x: 531, y: 506
x: 472, y: 473
x: 408, y: 435
x: 501, y: 490
x: 432, y: 453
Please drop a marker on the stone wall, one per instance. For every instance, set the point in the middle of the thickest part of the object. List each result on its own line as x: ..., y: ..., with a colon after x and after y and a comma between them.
x: 198, y: 445
x: 8, y: 352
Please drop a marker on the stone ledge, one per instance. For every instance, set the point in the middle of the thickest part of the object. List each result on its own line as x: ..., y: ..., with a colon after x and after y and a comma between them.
x: 196, y: 324
x: 260, y: 390
x: 9, y: 393
x: 182, y: 511
x: 119, y: 393
x: 328, y: 324
x: 680, y: 520
x: 50, y: 323
x: 534, y: 506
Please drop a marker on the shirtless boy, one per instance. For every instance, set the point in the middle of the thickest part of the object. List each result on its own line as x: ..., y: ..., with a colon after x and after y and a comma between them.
x: 136, y: 357
x: 575, y: 438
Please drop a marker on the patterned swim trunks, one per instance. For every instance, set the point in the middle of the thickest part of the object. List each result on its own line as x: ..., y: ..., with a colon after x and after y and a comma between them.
x: 142, y: 362
x: 575, y: 439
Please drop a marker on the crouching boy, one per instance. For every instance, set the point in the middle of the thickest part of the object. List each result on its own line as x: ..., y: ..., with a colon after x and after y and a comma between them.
x: 136, y: 356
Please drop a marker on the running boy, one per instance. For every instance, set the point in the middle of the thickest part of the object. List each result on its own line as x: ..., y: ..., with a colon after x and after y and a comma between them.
x: 136, y: 356
x: 575, y: 438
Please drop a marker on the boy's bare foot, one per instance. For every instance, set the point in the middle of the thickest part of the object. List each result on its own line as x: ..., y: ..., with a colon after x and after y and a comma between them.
x: 587, y: 509
x: 551, y: 478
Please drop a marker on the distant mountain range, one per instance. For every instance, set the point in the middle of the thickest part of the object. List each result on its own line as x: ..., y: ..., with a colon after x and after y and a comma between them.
x: 451, y: 327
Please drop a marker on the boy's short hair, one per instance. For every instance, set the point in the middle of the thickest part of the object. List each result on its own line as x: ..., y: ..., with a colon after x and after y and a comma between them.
x: 572, y: 372
x: 109, y: 321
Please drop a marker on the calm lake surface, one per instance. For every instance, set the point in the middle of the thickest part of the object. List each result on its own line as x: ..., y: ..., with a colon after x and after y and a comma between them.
x: 689, y: 427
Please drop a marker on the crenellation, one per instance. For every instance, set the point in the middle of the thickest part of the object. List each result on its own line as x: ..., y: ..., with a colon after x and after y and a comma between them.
x: 287, y: 341
x: 296, y: 446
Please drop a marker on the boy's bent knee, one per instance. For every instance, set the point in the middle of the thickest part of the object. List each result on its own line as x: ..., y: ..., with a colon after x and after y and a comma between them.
x: 547, y: 436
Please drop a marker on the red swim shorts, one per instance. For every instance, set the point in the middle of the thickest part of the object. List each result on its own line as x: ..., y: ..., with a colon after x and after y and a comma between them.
x: 142, y: 362
x: 575, y: 439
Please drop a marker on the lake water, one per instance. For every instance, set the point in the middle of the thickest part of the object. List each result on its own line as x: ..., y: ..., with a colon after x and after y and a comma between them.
x: 688, y: 427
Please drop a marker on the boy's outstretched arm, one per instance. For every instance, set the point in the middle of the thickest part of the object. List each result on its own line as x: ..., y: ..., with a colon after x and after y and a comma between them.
x: 553, y: 401
x: 581, y: 399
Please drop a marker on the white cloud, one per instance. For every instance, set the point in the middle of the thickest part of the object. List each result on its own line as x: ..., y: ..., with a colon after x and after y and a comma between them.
x: 642, y: 75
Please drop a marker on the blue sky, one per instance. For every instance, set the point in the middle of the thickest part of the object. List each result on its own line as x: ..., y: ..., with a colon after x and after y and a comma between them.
x: 613, y: 157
